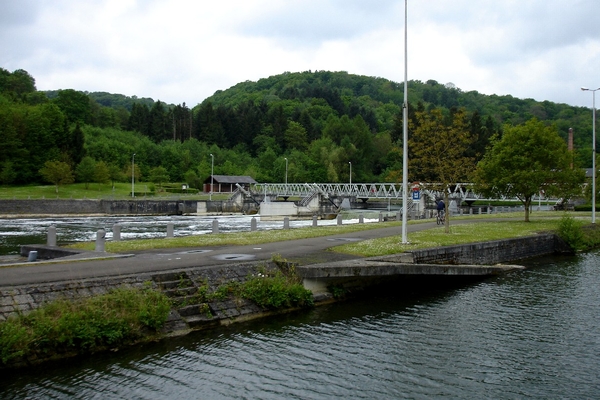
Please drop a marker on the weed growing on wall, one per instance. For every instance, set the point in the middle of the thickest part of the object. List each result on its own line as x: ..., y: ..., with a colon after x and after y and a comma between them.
x: 571, y: 232
x: 119, y: 317
x: 275, y: 289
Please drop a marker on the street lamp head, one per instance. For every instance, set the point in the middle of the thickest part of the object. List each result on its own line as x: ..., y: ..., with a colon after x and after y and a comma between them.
x: 584, y: 88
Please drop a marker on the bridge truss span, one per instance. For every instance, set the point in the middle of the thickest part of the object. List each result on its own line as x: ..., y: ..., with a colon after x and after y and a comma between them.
x: 462, y: 191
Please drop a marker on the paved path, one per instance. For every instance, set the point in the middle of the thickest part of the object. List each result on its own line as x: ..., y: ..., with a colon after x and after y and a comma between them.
x: 92, y: 264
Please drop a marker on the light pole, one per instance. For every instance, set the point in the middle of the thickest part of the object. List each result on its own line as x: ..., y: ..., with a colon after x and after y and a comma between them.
x: 350, y: 162
x: 133, y: 175
x: 405, y: 132
x: 286, y: 169
x: 593, y: 151
x: 212, y: 172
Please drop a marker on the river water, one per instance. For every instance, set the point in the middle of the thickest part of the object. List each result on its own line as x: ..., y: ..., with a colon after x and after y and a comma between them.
x: 15, y: 232
x: 532, y: 334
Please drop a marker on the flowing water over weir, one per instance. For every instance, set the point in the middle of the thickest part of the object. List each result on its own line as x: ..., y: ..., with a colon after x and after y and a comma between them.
x: 15, y: 232
x: 528, y: 334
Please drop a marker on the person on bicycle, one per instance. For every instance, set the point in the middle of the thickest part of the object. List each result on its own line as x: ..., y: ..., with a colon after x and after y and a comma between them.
x: 441, y: 207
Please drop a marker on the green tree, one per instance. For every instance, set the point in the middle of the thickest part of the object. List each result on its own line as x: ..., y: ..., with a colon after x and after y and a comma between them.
x: 529, y: 158
x: 57, y: 173
x: 8, y: 174
x: 159, y: 175
x: 438, y: 151
x: 75, y: 105
x: 86, y: 170
x: 295, y: 136
x: 101, y: 173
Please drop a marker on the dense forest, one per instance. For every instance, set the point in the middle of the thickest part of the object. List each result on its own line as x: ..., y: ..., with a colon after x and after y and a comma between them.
x: 315, y: 122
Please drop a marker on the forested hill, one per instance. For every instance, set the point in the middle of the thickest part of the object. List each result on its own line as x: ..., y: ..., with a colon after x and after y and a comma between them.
x: 357, y: 94
x: 312, y: 125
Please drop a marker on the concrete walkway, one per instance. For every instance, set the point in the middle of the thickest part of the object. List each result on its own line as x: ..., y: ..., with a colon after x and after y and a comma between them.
x: 93, y: 264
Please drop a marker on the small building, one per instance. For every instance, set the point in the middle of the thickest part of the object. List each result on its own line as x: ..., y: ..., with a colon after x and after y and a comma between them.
x: 226, y: 183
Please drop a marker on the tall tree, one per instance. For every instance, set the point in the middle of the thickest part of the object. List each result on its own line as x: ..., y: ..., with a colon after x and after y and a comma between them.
x: 528, y: 159
x: 57, y: 173
x: 85, y: 171
x: 439, y: 151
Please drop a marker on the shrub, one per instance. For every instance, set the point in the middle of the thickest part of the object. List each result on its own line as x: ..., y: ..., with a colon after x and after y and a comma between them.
x: 571, y: 232
x: 119, y: 317
x: 275, y: 290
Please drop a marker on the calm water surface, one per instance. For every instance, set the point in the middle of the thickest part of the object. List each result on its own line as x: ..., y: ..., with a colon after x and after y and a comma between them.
x: 530, y: 334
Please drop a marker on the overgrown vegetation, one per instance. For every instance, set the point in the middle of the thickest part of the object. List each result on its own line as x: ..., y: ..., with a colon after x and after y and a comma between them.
x: 274, y: 289
x: 120, y: 317
x: 577, y: 234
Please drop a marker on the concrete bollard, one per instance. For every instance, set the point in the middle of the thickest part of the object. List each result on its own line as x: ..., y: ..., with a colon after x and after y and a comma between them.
x: 32, y: 256
x: 116, y: 232
x: 51, y: 236
x: 100, y: 238
x: 339, y: 219
x: 215, y: 226
x: 470, y: 211
x: 253, y: 224
x: 361, y: 219
x: 170, y: 233
x: 286, y: 223
x: 398, y: 216
x: 315, y: 219
x: 380, y: 217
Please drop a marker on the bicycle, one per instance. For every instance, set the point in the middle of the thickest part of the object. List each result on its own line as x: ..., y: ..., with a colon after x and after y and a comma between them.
x: 441, y: 217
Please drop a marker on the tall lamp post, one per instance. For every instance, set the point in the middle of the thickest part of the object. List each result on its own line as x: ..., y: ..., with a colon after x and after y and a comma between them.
x: 350, y: 163
x: 405, y: 132
x: 133, y: 175
x: 286, y: 169
x: 212, y: 172
x: 593, y: 151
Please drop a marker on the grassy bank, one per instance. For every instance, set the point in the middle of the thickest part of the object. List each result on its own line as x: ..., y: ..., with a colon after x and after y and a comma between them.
x: 120, y: 191
x: 467, y: 233
x: 578, y: 233
x: 64, y: 327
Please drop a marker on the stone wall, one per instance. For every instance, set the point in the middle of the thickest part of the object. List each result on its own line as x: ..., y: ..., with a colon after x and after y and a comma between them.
x: 90, y: 206
x: 180, y: 285
x: 493, y: 252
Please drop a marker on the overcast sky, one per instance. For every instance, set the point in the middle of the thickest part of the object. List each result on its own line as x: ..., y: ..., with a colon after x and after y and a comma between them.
x: 184, y: 50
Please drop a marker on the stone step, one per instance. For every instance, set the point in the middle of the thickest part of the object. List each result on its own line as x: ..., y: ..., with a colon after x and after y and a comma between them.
x: 180, y: 292
x: 194, y: 309
x: 165, y: 285
x: 201, y: 320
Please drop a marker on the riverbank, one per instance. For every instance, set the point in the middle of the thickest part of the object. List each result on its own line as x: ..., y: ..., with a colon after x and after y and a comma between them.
x: 184, y: 285
x: 204, y: 297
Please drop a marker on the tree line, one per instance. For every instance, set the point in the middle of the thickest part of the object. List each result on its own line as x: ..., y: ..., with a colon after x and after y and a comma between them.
x: 321, y: 122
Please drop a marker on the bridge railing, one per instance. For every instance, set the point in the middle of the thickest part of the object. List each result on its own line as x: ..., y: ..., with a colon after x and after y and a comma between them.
x: 464, y: 191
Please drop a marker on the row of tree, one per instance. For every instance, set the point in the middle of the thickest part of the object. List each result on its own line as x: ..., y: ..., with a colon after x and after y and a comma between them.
x: 320, y: 122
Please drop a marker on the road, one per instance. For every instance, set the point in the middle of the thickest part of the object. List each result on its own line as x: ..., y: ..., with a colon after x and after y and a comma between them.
x: 93, y: 264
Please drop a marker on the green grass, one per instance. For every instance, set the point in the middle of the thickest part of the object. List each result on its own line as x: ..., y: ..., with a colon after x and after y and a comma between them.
x: 95, y: 191
x: 86, y: 325
x: 259, y: 237
x: 232, y: 239
x: 459, y: 234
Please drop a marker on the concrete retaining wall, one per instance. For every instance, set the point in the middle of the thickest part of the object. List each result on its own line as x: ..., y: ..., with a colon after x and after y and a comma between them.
x: 110, y: 207
x: 493, y: 252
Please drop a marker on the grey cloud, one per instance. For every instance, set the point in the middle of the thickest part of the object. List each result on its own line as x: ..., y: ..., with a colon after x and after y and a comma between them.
x: 312, y: 22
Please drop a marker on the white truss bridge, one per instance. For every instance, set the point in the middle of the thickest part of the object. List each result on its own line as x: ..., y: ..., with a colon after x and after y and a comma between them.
x: 368, y: 191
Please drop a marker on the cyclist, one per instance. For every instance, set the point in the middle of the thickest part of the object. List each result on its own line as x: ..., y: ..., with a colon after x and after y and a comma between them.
x: 441, y: 209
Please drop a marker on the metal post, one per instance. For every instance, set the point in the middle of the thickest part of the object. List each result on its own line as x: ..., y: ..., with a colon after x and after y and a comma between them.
x: 212, y: 172
x: 350, y: 163
x: 405, y: 132
x: 593, y: 151
x: 133, y: 175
